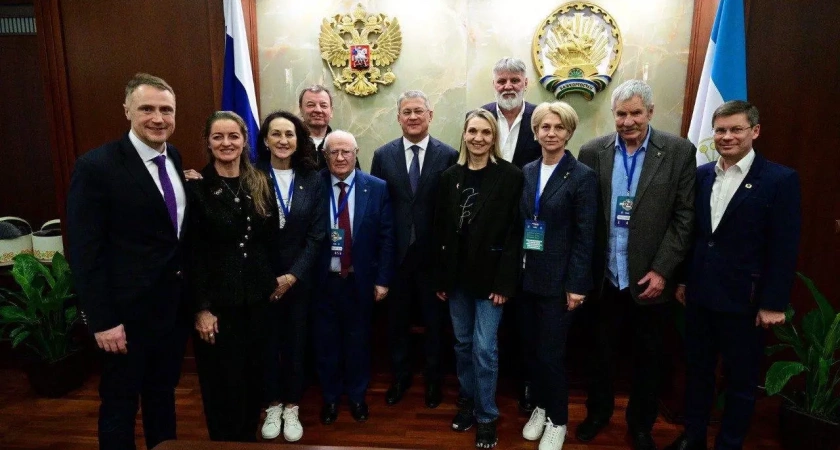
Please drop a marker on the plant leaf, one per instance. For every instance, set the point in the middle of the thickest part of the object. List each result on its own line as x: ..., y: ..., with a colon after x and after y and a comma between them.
x: 826, y: 311
x: 832, y: 338
x: 814, y: 328
x: 14, y: 314
x: 773, y: 349
x: 779, y: 374
x: 70, y: 316
x: 19, y: 338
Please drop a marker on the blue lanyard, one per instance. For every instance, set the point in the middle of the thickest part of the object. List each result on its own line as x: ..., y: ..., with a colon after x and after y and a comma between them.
x: 338, y: 210
x: 277, y: 190
x: 538, y: 193
x: 632, y: 169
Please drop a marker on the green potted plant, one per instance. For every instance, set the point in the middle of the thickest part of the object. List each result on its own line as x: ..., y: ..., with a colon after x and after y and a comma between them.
x: 39, y: 320
x: 808, y: 418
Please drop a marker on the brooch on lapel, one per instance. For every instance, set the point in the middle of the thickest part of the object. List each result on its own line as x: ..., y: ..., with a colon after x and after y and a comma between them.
x: 658, y: 154
x: 566, y: 176
x: 217, y: 192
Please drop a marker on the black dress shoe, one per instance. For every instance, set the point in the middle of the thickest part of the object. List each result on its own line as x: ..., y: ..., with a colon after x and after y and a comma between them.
x: 589, y: 428
x: 465, y: 418
x: 359, y: 411
x: 329, y: 412
x: 486, y: 436
x: 433, y: 394
x: 684, y: 443
x: 396, y: 391
x: 526, y: 398
x: 643, y: 441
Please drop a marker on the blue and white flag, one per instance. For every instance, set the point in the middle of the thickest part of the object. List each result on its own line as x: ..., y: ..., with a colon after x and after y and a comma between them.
x: 724, y: 76
x: 238, y: 93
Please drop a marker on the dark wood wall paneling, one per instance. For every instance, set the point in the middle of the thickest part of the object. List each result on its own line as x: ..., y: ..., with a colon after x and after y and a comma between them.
x: 792, y: 73
x: 27, y: 186
x: 107, y: 42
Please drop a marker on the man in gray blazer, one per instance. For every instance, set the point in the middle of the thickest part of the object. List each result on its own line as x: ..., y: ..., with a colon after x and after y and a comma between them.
x: 411, y: 165
x: 643, y: 232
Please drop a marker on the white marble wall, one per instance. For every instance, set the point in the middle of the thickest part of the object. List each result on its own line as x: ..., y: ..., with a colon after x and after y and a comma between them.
x: 449, y: 48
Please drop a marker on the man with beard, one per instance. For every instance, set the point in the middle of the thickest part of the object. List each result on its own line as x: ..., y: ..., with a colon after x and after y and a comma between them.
x: 517, y: 145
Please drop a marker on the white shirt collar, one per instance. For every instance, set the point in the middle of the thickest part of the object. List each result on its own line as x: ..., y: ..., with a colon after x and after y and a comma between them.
x: 348, y: 180
x: 743, y: 165
x: 518, y: 116
x: 423, y: 144
x: 146, y: 153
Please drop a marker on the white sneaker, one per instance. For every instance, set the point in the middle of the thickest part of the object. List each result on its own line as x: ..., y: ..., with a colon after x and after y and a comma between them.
x: 534, y: 428
x: 292, y: 429
x: 553, y: 437
x: 271, y: 426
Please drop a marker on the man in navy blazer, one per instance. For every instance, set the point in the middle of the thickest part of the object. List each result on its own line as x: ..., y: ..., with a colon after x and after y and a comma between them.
x: 517, y: 144
x: 739, y: 279
x: 355, y: 268
x: 411, y: 165
x: 125, y: 210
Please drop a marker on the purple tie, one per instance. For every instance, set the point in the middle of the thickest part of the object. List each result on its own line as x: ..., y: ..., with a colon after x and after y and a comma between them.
x: 168, y: 191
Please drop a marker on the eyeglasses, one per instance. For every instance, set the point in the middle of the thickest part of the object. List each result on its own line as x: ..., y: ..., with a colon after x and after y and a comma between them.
x: 344, y: 153
x: 408, y: 112
x: 734, y: 131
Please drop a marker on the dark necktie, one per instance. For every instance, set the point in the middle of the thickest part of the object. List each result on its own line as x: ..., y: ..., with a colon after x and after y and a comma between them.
x: 344, y: 224
x: 414, y: 170
x: 168, y: 191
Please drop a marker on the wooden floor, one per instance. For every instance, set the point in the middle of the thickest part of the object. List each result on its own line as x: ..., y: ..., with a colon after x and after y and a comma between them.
x: 69, y: 423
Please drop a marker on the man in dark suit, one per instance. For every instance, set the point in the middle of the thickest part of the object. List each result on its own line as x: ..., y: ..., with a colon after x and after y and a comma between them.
x: 411, y: 165
x: 125, y: 209
x: 643, y: 232
x: 517, y: 145
x: 740, y: 276
x: 315, y: 103
x: 355, y: 270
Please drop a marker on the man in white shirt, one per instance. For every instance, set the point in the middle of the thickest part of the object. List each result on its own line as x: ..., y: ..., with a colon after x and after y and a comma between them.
x: 411, y: 165
x: 739, y: 279
x: 125, y: 211
x: 517, y: 143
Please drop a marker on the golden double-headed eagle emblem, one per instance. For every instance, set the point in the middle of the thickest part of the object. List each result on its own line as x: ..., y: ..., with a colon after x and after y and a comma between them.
x: 361, y: 46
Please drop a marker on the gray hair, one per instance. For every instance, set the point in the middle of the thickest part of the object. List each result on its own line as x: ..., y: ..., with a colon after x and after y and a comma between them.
x: 633, y: 88
x: 508, y: 64
x: 337, y: 134
x: 733, y: 107
x: 413, y: 94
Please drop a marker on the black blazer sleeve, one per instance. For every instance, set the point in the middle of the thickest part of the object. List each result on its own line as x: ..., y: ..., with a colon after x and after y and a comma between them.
x: 87, y: 235
x: 316, y: 230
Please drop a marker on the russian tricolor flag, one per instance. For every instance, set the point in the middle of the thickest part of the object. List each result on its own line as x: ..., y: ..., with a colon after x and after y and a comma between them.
x: 724, y: 76
x: 238, y: 93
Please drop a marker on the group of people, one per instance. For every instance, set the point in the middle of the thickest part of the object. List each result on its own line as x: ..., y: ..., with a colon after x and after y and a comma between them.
x: 257, y: 257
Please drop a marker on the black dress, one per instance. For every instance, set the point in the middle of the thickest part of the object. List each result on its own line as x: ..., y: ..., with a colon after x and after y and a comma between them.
x: 231, y: 275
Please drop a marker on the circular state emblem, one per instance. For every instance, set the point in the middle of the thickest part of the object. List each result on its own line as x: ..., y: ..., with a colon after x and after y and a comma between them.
x: 577, y: 49
x: 627, y: 205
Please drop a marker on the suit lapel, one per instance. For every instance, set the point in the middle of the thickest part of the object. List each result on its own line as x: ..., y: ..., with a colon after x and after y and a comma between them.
x: 653, y: 159
x: 362, y: 190
x: 429, y: 161
x: 400, y: 161
x: 704, y: 211
x: 753, y: 180
x: 136, y: 167
x: 559, y: 177
x: 605, y: 161
x: 531, y: 175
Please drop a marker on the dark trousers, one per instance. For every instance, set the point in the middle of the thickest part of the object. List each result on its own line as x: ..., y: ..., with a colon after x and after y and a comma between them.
x: 516, y: 332
x: 612, y: 311
x: 230, y: 373
x: 286, y: 343
x: 342, y: 339
x: 412, y: 285
x: 147, y: 376
x: 550, y: 320
x: 740, y: 343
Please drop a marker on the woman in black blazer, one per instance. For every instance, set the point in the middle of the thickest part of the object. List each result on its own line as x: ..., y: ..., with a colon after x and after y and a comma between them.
x: 232, y: 225
x: 558, y: 205
x: 287, y: 156
x: 477, y: 240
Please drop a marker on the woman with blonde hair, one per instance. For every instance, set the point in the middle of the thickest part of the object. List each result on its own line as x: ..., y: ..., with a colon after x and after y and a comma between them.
x: 477, y: 250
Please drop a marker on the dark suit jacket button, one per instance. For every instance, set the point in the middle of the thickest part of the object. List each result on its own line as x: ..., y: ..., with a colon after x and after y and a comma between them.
x: 711, y: 243
x: 179, y: 274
